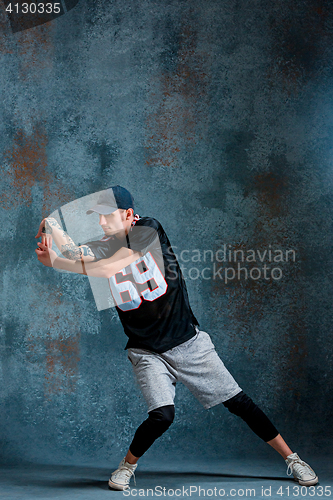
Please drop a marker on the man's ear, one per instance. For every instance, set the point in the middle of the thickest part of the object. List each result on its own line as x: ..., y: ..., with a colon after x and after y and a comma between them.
x: 129, y: 213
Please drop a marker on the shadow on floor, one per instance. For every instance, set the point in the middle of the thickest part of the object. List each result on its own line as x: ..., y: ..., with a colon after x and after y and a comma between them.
x: 46, y: 477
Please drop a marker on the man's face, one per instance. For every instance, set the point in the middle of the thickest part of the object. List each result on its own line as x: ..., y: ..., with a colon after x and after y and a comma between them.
x: 113, y: 223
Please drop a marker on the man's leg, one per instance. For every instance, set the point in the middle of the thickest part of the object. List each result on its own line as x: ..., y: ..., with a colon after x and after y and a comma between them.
x: 279, y: 445
x: 157, y: 423
x: 204, y: 373
x: 243, y: 406
x: 157, y: 381
x: 130, y: 458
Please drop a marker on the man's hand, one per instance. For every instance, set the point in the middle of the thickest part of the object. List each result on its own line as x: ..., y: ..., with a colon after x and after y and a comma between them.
x: 41, y: 228
x: 45, y: 255
x: 46, y: 237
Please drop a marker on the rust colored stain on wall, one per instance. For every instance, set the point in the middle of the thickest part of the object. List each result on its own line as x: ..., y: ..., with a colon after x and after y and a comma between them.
x: 29, y: 182
x: 35, y: 49
x: 54, y: 341
x: 302, y: 33
x: 271, y: 195
x: 175, y: 126
x: 27, y: 166
x: 62, y: 361
x: 27, y: 162
x: 26, y: 159
x: 270, y: 192
x: 248, y: 298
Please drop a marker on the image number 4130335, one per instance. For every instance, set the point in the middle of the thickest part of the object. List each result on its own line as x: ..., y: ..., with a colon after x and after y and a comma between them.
x: 26, y: 15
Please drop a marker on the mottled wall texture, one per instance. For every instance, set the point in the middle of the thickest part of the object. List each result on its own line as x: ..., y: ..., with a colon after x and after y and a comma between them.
x: 218, y: 117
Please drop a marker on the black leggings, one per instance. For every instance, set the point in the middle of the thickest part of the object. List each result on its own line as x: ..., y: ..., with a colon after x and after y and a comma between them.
x: 159, y: 421
x: 243, y: 406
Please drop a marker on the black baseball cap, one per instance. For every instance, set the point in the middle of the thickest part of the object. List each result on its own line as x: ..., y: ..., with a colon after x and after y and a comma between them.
x: 111, y: 199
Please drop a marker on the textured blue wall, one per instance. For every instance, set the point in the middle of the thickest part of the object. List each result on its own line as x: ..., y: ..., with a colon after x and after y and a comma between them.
x: 218, y: 117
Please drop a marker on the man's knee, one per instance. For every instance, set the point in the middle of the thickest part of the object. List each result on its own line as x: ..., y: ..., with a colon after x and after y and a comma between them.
x: 240, y: 405
x: 161, y: 418
x: 159, y: 421
x: 243, y: 406
x: 163, y: 415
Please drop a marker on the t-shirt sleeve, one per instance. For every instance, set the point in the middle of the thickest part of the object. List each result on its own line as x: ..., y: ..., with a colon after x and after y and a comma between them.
x: 144, y: 236
x: 103, y: 249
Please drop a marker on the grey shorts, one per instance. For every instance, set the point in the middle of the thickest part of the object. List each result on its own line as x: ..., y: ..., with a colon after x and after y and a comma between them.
x: 195, y: 363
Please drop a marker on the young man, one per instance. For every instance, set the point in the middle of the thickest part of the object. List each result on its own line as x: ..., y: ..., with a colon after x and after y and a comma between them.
x: 165, y: 344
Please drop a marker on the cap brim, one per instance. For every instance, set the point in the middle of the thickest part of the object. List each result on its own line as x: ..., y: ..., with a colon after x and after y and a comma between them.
x: 102, y: 210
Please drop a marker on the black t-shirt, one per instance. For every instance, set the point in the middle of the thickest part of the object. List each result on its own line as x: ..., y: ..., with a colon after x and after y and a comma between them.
x: 150, y: 294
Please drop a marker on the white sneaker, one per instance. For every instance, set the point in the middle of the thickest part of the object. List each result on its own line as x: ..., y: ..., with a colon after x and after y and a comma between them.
x: 121, y: 477
x: 301, y: 471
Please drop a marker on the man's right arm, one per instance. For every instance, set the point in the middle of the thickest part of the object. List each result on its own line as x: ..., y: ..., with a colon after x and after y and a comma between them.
x: 64, y: 242
x: 104, y: 268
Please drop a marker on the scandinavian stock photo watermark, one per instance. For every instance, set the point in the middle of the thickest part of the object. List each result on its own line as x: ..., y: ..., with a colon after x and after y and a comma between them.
x: 228, y: 264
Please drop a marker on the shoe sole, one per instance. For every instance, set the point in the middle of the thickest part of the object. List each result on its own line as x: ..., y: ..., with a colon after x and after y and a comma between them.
x: 311, y: 482
x: 118, y: 487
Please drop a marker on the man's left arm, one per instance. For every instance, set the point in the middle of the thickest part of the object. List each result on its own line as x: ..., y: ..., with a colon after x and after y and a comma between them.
x: 50, y: 229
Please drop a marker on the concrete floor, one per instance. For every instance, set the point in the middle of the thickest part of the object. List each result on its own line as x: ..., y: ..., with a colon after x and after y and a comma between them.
x: 229, y: 479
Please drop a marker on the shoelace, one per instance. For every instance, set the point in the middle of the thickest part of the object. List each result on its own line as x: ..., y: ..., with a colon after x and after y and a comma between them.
x: 297, y: 462
x: 128, y: 473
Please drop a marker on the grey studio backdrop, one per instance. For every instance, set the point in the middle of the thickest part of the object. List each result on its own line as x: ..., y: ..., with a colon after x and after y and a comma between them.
x: 218, y: 117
